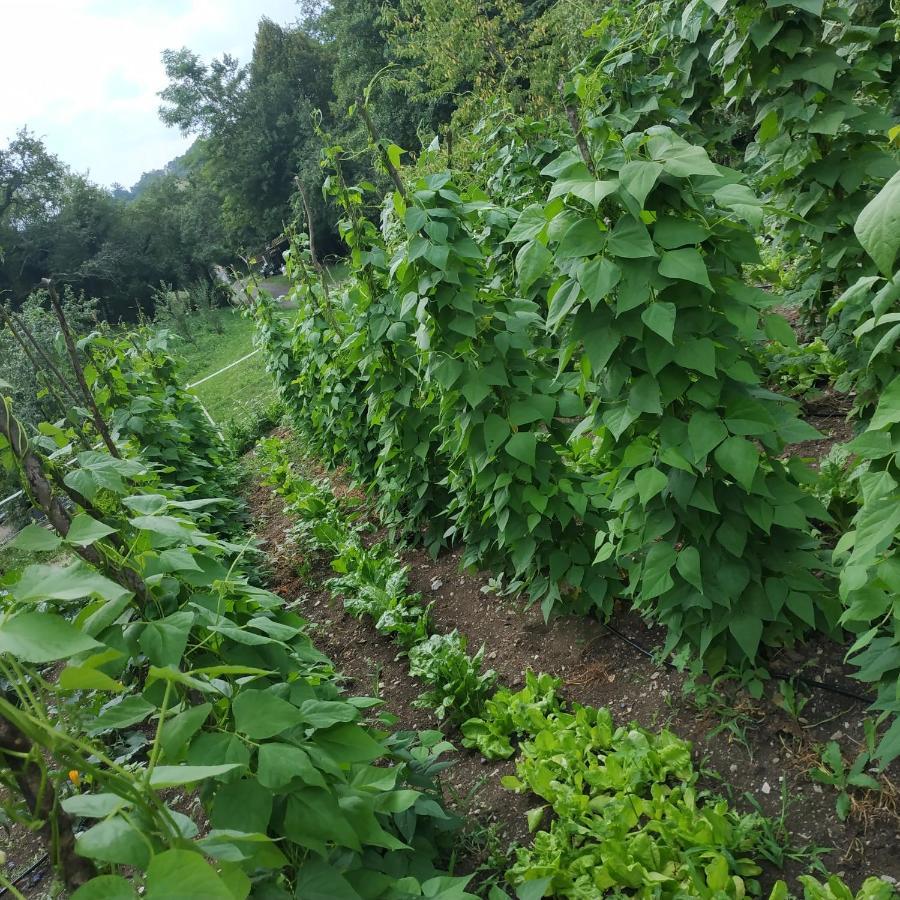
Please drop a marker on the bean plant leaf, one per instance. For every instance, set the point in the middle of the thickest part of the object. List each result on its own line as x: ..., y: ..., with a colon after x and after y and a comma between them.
x: 522, y: 446
x: 496, y: 431
x: 529, y: 225
x: 183, y: 875
x: 584, y: 238
x: 531, y: 262
x: 779, y: 329
x: 739, y: 458
x: 598, y: 277
x: 115, y: 840
x: 36, y: 539
x: 172, y: 776
x: 638, y: 178
x: 878, y: 226
x: 686, y: 264
x: 585, y: 187
x: 260, y: 714
x: 630, y: 239
x: 86, y: 678
x: 660, y: 317
x: 43, y: 637
x: 811, y: 6
x: 73, y: 582
x: 656, y: 578
x: 106, y: 887
x: 747, y: 631
x: 649, y: 483
x: 85, y: 531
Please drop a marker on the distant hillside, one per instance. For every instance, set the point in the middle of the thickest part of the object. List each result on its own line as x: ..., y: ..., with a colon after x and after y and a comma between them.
x: 181, y: 165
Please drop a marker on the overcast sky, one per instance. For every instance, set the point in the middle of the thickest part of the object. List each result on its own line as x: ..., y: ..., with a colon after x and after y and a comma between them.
x: 84, y: 74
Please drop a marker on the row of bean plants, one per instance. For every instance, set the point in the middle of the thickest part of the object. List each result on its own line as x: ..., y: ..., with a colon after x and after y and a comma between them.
x: 550, y: 357
x: 169, y: 727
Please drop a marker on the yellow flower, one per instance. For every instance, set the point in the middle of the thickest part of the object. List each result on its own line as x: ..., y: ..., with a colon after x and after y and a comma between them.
x: 75, y: 777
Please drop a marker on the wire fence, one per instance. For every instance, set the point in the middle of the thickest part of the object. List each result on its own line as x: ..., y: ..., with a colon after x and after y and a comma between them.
x: 62, y: 451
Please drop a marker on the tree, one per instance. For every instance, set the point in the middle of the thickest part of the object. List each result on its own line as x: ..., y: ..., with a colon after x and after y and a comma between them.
x: 256, y: 124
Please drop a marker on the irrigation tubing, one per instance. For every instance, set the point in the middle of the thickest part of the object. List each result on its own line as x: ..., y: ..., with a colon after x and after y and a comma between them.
x: 810, y: 682
x: 14, y: 881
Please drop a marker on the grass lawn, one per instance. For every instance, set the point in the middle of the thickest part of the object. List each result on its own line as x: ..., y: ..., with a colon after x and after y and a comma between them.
x: 246, y: 385
x: 12, y: 559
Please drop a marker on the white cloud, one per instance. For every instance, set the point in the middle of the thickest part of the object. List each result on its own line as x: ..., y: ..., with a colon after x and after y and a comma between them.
x: 85, y: 74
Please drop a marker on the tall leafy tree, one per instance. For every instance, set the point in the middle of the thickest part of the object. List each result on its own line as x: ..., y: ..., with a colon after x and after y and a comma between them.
x: 256, y: 123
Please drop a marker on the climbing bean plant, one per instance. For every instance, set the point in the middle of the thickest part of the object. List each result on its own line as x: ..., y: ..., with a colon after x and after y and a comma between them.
x: 178, y: 672
x: 504, y: 339
x: 711, y: 526
x: 869, y: 553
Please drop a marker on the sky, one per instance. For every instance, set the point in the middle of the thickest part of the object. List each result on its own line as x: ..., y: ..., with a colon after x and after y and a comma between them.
x: 84, y: 74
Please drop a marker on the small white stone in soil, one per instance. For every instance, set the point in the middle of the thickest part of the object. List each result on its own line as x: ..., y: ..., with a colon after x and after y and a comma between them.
x: 766, y: 787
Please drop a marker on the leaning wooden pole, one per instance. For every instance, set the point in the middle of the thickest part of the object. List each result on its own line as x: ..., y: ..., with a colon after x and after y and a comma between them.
x: 22, y: 332
x: 48, y: 383
x: 385, y: 157
x: 39, y: 488
x: 99, y: 422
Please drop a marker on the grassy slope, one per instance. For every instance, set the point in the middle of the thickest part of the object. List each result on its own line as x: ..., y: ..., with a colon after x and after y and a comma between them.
x: 228, y: 395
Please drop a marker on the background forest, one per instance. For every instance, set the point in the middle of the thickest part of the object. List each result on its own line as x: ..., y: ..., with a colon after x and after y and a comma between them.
x: 261, y: 124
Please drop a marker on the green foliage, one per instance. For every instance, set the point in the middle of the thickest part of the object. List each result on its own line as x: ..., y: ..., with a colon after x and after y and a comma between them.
x: 457, y: 688
x: 836, y: 889
x: 678, y: 402
x: 137, y: 385
x: 869, y: 553
x: 870, y: 309
x: 54, y: 222
x: 833, y: 770
x: 564, y: 339
x: 374, y: 585
x: 510, y: 713
x: 24, y: 383
x: 800, y: 370
x: 442, y: 345
x: 627, y: 815
x: 802, y: 89
x: 464, y: 47
x: 837, y: 485
x: 593, y: 777
x: 320, y: 521
x: 243, y: 431
x: 255, y: 126
x: 299, y: 791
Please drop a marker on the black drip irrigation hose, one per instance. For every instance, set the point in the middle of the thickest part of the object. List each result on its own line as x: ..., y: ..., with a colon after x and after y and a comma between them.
x: 14, y: 881
x: 809, y: 682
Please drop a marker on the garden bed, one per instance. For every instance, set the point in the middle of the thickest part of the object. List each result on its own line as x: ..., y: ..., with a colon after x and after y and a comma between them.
x: 746, y: 748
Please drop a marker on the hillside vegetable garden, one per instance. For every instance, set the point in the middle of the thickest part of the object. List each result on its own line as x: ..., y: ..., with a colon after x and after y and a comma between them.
x: 567, y: 351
